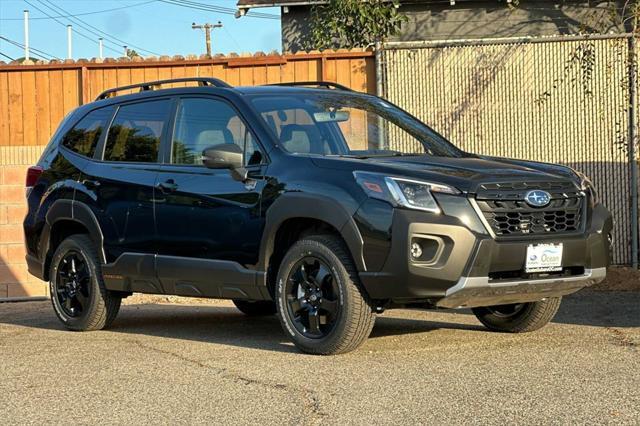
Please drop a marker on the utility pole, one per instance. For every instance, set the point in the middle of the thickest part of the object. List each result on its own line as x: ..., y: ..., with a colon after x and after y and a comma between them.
x: 26, y: 35
x: 100, y: 49
x: 207, y: 33
x: 69, y: 29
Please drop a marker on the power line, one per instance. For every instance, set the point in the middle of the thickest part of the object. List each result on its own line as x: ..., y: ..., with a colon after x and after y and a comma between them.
x: 40, y: 53
x: 83, y: 13
x: 227, y: 10
x: 107, y: 36
x: 65, y: 25
x: 7, y: 56
x: 217, y: 9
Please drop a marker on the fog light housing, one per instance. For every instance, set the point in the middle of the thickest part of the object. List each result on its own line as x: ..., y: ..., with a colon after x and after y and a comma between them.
x: 416, y: 250
x: 425, y: 249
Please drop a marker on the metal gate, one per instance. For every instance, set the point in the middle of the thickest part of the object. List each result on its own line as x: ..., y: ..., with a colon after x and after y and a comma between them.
x: 562, y: 100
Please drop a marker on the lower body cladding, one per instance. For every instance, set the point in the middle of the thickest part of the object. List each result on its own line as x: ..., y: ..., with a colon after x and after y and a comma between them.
x: 438, y: 260
x: 180, y: 276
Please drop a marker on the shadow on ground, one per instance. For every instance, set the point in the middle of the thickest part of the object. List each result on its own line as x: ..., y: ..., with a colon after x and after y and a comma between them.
x: 226, y: 326
x: 596, y: 308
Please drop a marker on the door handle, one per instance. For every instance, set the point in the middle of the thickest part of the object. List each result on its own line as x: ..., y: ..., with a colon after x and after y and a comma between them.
x: 167, y: 186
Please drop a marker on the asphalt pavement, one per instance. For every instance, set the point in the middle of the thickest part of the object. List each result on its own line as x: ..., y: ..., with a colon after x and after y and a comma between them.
x: 206, y: 363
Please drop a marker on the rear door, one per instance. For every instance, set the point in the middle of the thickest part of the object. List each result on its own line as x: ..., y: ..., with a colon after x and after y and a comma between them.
x: 122, y: 187
x: 209, y: 225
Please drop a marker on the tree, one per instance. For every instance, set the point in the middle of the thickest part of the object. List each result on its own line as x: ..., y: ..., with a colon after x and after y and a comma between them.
x: 132, y: 53
x: 353, y: 23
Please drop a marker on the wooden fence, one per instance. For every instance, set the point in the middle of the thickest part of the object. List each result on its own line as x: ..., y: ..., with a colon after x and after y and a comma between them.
x: 35, y: 98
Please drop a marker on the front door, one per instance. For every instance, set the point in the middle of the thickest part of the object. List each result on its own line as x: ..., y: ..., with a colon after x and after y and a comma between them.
x: 209, y: 225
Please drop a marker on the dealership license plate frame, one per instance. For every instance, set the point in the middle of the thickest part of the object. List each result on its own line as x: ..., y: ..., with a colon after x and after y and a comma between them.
x: 544, y: 257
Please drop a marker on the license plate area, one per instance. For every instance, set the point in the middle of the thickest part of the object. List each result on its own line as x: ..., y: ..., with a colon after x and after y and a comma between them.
x: 544, y: 258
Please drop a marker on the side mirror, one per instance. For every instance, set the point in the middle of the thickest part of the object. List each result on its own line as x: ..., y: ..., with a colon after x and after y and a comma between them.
x: 225, y: 156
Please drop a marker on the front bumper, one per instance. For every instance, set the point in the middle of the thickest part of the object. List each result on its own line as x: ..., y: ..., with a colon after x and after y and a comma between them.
x: 472, y: 269
x: 480, y: 291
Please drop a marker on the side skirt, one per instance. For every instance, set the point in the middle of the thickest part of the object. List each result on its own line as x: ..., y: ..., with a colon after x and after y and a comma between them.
x: 183, y: 276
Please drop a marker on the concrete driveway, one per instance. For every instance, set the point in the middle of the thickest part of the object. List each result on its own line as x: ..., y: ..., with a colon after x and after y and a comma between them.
x: 208, y: 363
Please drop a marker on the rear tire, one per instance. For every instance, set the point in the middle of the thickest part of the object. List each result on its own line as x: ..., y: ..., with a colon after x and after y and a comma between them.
x: 256, y: 309
x: 78, y: 294
x: 321, y: 304
x: 518, y: 318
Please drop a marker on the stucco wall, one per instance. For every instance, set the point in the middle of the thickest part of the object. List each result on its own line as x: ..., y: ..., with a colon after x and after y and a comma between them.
x: 477, y: 19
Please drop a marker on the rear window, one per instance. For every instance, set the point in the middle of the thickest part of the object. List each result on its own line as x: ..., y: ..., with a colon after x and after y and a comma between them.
x: 84, y: 136
x: 135, y: 133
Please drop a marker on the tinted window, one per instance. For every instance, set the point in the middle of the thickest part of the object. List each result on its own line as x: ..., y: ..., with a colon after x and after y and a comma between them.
x: 336, y: 122
x: 136, y: 130
x: 84, y: 136
x: 201, y: 123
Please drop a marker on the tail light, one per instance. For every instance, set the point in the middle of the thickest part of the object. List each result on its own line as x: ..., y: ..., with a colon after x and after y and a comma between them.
x: 33, y: 174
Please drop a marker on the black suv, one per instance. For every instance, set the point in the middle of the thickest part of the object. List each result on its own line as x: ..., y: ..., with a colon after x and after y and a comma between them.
x: 309, y: 201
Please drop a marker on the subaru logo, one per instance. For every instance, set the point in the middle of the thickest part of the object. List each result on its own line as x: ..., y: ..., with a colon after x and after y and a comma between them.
x: 537, y: 198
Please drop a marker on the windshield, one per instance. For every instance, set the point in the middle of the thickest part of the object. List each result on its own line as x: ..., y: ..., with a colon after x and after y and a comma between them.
x: 347, y: 124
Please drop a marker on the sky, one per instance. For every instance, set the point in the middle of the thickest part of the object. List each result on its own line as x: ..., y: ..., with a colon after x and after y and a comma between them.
x: 157, y: 26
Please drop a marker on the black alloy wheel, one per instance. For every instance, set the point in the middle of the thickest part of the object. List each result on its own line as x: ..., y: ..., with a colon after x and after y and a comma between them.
x: 506, y: 311
x: 518, y: 317
x: 78, y: 293
x: 73, y: 284
x: 312, y: 297
x: 321, y: 304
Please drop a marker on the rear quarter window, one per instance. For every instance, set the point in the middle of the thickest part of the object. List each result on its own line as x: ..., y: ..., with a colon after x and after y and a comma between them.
x: 84, y: 136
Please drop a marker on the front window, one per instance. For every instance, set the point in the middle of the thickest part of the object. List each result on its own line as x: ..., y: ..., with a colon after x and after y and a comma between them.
x: 203, y: 123
x: 347, y: 124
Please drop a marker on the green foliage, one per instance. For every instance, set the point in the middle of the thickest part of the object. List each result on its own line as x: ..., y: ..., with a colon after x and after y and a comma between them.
x: 132, y: 53
x: 353, y: 23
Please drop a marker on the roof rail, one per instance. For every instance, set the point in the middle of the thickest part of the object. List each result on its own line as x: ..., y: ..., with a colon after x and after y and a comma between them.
x: 152, y: 85
x: 325, y: 84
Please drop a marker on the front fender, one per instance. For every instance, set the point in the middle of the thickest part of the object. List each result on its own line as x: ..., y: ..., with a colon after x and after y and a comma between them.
x: 311, y: 206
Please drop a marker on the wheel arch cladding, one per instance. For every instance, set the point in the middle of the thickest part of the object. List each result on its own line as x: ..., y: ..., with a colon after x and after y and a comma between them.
x: 296, y: 212
x: 66, y: 218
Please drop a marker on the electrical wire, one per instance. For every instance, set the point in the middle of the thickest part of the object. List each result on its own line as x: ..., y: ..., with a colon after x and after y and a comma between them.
x: 106, y: 36
x: 218, y: 9
x: 7, y: 56
x: 83, y: 13
x: 228, y: 10
x: 72, y: 29
x: 39, y: 53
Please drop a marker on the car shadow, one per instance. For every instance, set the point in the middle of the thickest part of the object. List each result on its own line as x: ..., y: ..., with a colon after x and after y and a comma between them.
x: 595, y: 308
x: 226, y: 326
x: 223, y: 325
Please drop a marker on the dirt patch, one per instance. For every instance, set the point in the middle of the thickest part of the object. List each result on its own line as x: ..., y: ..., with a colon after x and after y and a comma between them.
x: 145, y: 299
x: 620, y: 278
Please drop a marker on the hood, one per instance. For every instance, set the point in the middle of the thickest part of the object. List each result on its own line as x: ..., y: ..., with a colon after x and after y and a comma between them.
x: 464, y: 173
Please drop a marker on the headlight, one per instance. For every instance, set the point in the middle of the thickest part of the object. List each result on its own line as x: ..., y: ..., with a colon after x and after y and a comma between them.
x: 587, y: 186
x: 409, y: 193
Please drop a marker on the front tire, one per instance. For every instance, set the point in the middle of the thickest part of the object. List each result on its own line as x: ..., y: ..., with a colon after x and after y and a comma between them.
x: 321, y: 305
x: 78, y: 294
x: 519, y: 317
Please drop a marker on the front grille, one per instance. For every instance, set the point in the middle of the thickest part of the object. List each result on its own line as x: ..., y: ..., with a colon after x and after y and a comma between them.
x: 505, y: 210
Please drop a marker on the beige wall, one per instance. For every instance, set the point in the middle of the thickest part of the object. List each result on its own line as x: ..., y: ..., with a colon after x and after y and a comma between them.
x: 15, y: 281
